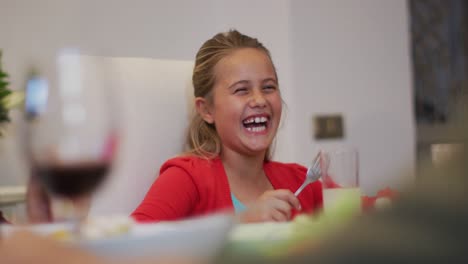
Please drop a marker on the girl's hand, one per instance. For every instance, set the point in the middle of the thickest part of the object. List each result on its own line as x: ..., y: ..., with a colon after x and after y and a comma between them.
x: 275, y: 205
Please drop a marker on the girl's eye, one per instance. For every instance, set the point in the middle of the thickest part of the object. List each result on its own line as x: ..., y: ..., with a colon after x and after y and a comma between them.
x: 269, y: 87
x: 240, y: 90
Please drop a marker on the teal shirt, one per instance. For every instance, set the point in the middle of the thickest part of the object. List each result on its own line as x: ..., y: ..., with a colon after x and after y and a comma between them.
x: 238, y: 206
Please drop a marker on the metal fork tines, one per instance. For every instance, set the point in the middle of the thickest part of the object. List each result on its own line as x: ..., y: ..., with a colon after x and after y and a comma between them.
x: 313, y: 173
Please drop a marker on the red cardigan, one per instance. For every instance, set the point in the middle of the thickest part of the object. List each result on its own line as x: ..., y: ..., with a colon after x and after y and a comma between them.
x: 192, y: 186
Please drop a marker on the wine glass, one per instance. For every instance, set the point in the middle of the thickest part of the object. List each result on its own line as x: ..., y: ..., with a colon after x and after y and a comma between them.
x: 72, y: 133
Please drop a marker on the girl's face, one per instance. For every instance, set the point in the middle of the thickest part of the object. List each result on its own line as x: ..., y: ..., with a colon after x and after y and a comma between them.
x: 247, y: 104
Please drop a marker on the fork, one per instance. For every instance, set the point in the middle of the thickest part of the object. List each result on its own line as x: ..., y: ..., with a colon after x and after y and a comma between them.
x: 314, y: 172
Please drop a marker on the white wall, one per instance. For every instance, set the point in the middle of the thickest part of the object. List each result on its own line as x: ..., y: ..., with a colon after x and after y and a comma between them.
x: 332, y: 56
x: 352, y: 57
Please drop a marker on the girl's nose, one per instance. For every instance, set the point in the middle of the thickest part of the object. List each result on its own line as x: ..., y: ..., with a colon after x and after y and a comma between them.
x: 257, y: 99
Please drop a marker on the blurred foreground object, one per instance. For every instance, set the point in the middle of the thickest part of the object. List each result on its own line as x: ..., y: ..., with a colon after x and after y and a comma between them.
x: 118, y: 237
x: 39, y: 249
x: 72, y: 133
x: 426, y: 224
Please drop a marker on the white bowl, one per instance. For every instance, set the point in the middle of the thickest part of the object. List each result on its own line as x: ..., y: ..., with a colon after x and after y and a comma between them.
x: 197, y: 237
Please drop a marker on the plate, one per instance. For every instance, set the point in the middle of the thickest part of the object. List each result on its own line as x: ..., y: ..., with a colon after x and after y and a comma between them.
x: 197, y: 237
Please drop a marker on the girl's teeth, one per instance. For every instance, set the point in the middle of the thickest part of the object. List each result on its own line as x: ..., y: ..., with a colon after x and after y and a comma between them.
x: 256, y: 129
x: 255, y: 120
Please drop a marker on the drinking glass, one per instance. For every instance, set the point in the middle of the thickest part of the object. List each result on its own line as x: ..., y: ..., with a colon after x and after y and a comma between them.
x: 340, y: 180
x: 72, y: 133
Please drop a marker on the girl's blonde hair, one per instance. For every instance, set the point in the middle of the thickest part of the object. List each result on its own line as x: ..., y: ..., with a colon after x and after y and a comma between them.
x: 202, y: 137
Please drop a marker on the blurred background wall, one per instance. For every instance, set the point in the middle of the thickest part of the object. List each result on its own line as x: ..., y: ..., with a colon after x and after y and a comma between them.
x: 332, y: 56
x: 440, y: 66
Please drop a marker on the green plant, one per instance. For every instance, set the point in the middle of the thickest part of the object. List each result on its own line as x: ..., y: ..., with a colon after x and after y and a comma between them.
x: 8, y: 99
x: 4, y: 93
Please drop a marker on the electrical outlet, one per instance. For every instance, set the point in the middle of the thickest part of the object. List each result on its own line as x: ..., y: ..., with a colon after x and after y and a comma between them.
x: 328, y: 127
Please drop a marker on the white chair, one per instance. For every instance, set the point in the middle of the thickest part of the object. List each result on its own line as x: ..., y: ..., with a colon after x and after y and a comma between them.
x: 155, y: 105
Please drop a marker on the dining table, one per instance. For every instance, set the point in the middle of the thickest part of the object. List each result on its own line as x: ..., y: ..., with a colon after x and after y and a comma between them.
x: 213, y: 235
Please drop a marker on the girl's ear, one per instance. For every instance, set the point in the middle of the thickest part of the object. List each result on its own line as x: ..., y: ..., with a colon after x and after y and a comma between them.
x: 204, y: 110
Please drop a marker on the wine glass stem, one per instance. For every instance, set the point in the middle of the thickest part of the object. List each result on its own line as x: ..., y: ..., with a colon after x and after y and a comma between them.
x: 73, y: 211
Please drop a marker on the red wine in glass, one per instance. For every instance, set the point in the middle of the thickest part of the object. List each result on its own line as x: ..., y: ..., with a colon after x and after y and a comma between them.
x: 72, y: 179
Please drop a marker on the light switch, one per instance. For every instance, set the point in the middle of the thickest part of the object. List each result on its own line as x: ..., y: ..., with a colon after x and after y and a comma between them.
x: 328, y: 127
